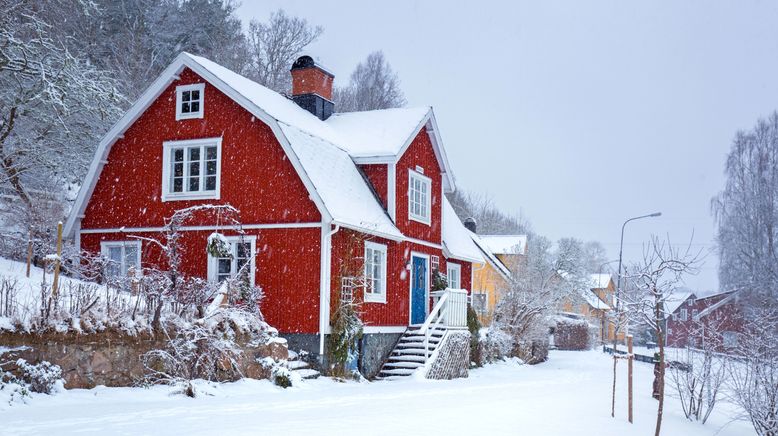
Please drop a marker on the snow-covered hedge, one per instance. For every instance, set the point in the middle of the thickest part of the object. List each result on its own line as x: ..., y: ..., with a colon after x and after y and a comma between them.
x: 572, y: 334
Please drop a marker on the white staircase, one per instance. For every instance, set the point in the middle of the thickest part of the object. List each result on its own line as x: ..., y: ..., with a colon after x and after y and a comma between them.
x: 418, y: 345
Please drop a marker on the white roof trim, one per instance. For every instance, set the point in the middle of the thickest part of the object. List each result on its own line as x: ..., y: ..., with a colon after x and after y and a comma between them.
x: 437, y: 147
x: 449, y: 255
x: 169, y: 75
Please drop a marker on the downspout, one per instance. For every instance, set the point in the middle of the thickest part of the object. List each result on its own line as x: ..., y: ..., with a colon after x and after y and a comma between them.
x: 325, y: 288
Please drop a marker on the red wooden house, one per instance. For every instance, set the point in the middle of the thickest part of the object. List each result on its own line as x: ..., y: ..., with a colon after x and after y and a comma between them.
x: 712, y: 320
x: 307, y: 183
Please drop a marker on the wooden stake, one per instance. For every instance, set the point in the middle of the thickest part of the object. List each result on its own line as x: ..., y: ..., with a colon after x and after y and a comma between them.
x: 57, y: 261
x: 29, y: 253
x: 629, y: 377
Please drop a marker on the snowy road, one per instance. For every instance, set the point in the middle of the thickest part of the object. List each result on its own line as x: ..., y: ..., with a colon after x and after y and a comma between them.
x: 569, y: 395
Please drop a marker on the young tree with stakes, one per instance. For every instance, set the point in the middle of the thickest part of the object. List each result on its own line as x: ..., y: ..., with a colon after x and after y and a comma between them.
x: 652, y: 282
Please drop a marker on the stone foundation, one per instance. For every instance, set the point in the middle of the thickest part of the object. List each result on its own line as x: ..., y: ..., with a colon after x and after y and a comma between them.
x: 112, y: 358
x: 374, y: 349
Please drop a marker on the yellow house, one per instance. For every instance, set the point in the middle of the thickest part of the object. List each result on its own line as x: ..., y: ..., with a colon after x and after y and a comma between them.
x: 502, y: 254
x: 594, y: 303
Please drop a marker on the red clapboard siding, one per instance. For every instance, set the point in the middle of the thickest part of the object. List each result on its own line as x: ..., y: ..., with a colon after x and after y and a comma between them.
x: 419, y: 153
x: 256, y: 175
x: 287, y: 269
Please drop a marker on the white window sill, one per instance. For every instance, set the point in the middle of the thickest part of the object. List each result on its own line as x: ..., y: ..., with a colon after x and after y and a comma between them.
x: 191, y: 116
x: 375, y: 299
x: 419, y: 219
x: 191, y: 196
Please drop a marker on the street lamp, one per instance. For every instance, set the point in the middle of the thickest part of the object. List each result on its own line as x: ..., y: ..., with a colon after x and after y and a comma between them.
x: 621, y: 249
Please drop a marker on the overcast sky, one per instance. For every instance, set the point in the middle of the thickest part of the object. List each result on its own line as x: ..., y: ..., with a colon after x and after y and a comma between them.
x: 577, y: 114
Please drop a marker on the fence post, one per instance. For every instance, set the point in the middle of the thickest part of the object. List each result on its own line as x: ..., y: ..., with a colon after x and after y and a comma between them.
x: 57, y: 261
x: 29, y: 253
x: 629, y: 377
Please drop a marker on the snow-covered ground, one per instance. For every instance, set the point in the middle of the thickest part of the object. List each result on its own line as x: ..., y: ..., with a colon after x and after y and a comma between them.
x: 568, y: 395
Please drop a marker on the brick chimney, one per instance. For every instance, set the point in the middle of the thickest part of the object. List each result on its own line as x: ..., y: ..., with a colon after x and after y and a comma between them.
x: 312, y: 87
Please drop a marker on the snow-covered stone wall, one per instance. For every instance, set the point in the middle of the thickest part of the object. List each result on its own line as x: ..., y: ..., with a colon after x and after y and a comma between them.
x: 453, y: 357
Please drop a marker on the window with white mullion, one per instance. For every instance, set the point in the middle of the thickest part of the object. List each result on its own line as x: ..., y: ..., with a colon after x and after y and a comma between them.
x: 191, y: 169
x: 375, y: 272
x: 241, y: 254
x: 419, y: 198
x: 454, y: 275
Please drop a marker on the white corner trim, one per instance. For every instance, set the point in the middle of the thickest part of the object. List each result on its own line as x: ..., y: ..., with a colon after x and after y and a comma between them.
x: 325, y: 274
x: 391, y: 191
x: 191, y: 115
x: 167, y: 146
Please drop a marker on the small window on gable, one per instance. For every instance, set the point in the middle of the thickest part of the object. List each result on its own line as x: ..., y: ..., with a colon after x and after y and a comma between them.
x: 122, y: 258
x: 375, y: 272
x: 242, y: 253
x: 454, y: 275
x: 189, y: 101
x: 191, y: 169
x: 419, y: 197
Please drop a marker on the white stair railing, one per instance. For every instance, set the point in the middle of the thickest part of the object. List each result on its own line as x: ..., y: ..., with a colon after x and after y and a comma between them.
x: 450, y: 310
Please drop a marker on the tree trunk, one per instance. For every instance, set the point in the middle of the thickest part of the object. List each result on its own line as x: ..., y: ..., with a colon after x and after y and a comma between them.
x: 661, y: 342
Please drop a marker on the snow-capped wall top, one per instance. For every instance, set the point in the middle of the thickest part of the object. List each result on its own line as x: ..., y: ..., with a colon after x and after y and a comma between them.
x: 380, y: 132
x: 456, y: 238
x: 505, y: 244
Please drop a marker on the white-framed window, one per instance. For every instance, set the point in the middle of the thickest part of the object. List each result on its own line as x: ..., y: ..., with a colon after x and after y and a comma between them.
x: 479, y: 302
x: 435, y: 263
x: 694, y: 314
x: 419, y: 197
x: 454, y: 275
x: 684, y: 315
x: 669, y: 332
x: 123, y: 257
x: 375, y: 272
x: 191, y: 169
x: 242, y: 252
x: 190, y: 100
x: 729, y: 339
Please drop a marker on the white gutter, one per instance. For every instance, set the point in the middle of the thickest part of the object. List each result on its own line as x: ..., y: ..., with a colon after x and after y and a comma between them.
x: 324, y: 279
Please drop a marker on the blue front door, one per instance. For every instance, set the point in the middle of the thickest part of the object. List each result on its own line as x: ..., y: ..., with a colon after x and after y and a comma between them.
x: 418, y: 290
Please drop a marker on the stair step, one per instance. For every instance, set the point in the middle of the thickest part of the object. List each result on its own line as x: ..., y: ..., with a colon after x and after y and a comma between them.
x: 415, y: 346
x: 293, y: 355
x: 307, y: 373
x: 391, y: 372
x: 420, y: 338
x: 407, y: 358
x: 412, y: 365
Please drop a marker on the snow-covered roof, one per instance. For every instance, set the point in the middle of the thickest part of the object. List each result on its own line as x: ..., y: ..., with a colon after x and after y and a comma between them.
x: 599, y: 281
x: 490, y: 258
x: 379, y: 132
x: 593, y: 300
x: 675, y: 301
x: 505, y: 244
x: 456, y: 238
x: 340, y: 185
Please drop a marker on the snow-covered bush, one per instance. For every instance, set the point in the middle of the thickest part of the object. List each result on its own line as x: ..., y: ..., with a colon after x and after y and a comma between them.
x: 495, y: 345
x: 43, y: 378
x: 572, y: 334
x: 281, y: 376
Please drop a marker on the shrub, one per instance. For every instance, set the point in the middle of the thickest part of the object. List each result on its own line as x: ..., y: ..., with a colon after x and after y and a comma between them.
x: 495, y: 345
x: 474, y: 326
x: 571, y: 334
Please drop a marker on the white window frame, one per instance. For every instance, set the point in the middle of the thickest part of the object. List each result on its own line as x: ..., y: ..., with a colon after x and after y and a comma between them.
x: 167, y: 162
x: 190, y: 115
x: 213, y: 262
x: 684, y: 315
x: 105, y: 246
x: 729, y: 339
x: 428, y: 203
x: 373, y: 297
x: 451, y: 266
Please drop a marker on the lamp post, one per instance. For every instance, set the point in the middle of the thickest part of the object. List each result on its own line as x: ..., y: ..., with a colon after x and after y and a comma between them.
x: 621, y: 250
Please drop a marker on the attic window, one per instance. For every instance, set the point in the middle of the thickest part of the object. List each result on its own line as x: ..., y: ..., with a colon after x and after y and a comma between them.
x: 419, y: 198
x: 189, y: 101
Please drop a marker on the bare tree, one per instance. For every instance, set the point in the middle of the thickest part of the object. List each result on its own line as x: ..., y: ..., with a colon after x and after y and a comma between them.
x: 698, y: 373
x: 490, y: 219
x: 536, y: 289
x: 52, y: 103
x: 273, y: 47
x: 654, y: 280
x: 373, y: 85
